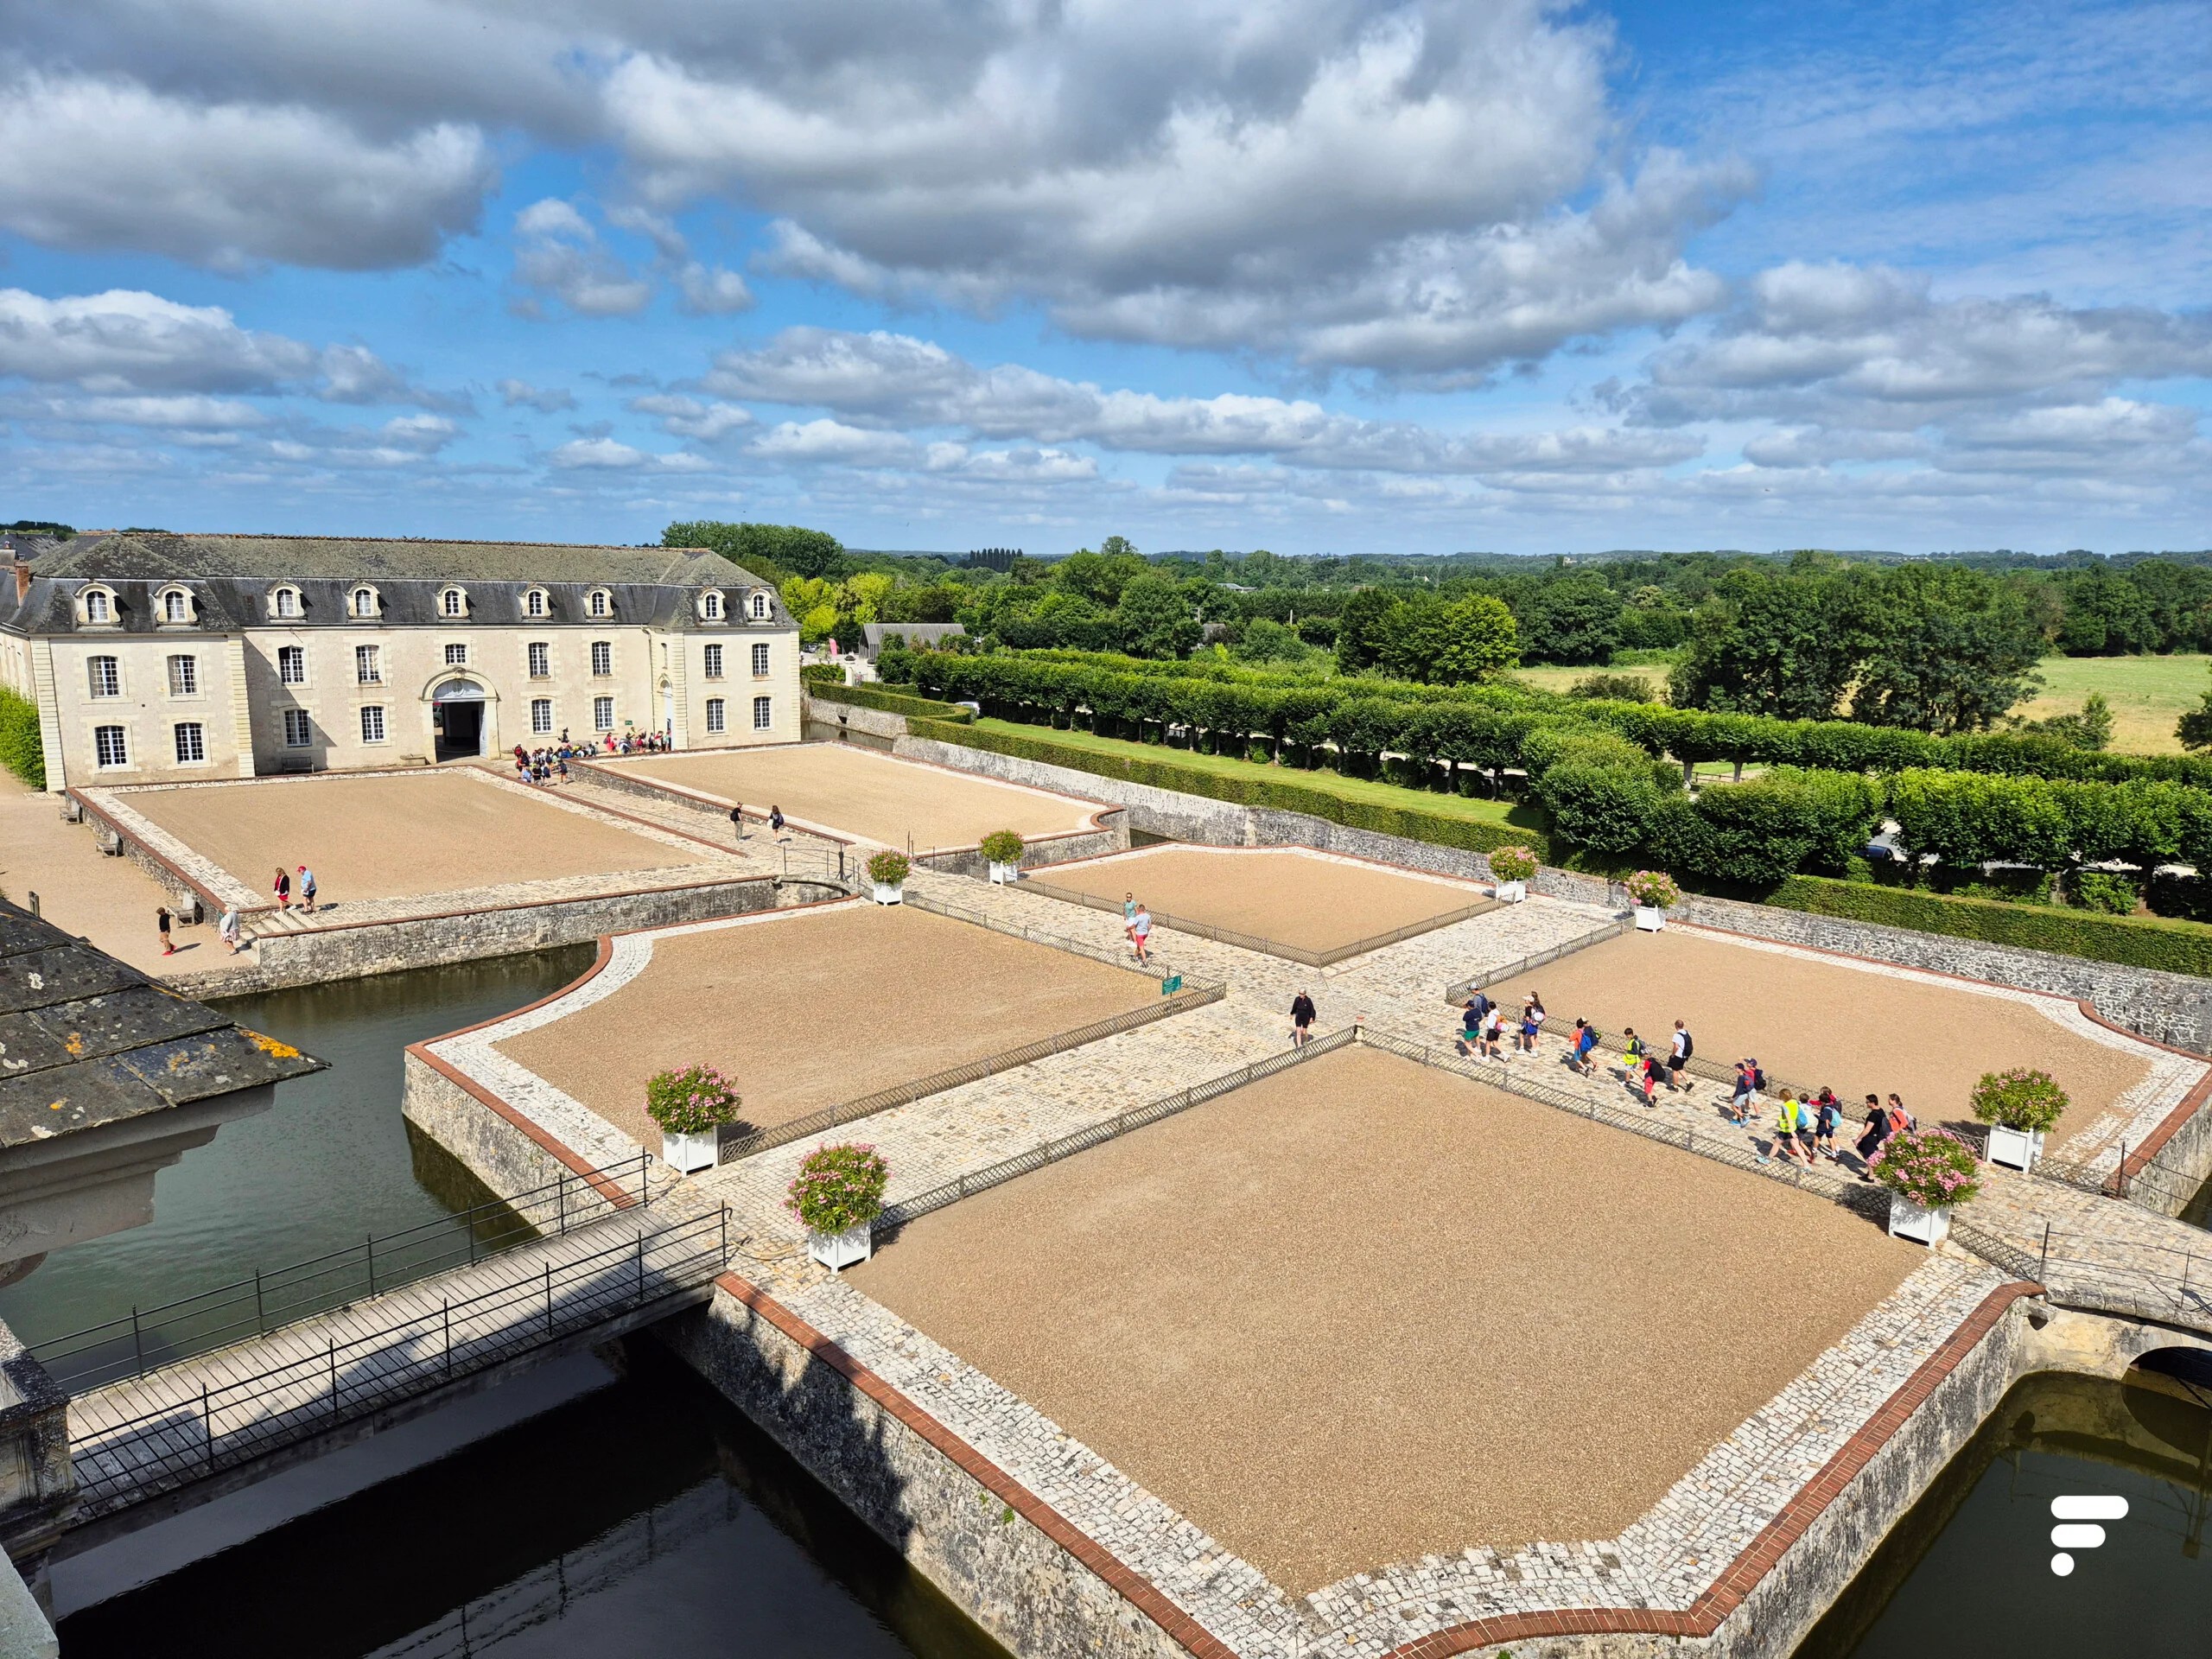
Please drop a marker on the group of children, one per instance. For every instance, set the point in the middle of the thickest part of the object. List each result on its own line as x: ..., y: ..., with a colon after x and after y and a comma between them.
x: 542, y: 766
x: 1805, y: 1126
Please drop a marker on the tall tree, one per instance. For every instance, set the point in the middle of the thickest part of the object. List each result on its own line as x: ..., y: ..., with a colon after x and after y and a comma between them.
x: 1949, y: 651
x: 1155, y: 619
x: 783, y: 549
x: 1787, y: 646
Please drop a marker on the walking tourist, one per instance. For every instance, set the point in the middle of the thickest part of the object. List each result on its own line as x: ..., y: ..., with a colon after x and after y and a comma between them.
x: 307, y: 889
x: 775, y: 820
x: 737, y: 819
x: 1745, y: 1095
x: 1494, y: 1032
x: 1678, y: 1057
x: 1129, y: 908
x: 1827, y: 1113
x: 1652, y: 1073
x: 1586, y: 1045
x: 283, y: 888
x: 1141, y: 934
x: 1900, y: 1119
x: 1788, y: 1117
x: 162, y: 925
x: 227, y: 929
x: 1876, y: 1131
x: 1471, y: 1023
x: 1301, y: 1020
x: 1631, y: 1054
x: 1532, y: 1022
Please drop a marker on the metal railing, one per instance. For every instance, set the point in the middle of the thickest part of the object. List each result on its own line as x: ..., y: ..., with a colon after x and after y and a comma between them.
x: 1112, y: 956
x: 1230, y: 936
x: 823, y: 864
x: 232, y: 1422
x: 153, y: 1337
x: 1136, y: 1117
x: 1466, y: 988
x: 905, y: 1094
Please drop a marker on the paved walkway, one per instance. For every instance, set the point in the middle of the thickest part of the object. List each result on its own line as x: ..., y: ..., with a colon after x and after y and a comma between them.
x: 110, y: 901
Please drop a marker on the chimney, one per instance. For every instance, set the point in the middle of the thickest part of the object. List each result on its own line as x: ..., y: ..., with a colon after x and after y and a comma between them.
x: 23, y: 581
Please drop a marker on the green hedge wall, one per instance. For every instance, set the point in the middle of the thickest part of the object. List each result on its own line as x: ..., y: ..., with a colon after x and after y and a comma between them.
x: 891, y: 702
x: 811, y: 674
x: 21, y: 751
x: 2137, y: 942
x: 1411, y: 822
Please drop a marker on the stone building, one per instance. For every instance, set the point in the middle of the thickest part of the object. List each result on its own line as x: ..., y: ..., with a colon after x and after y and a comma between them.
x: 160, y: 658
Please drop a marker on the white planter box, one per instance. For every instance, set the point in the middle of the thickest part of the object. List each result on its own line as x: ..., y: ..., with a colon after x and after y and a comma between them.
x: 2014, y: 1148
x: 1511, y: 892
x: 689, y: 1153
x: 837, y: 1251
x: 889, y: 893
x: 1002, y: 873
x: 1924, y: 1226
x: 1650, y: 920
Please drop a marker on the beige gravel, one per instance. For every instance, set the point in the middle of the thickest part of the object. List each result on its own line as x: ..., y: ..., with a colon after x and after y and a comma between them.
x: 863, y: 793
x: 1825, y: 1025
x: 1294, y: 898
x: 1367, y: 1310
x: 110, y: 901
x: 815, y: 1008
x: 395, y: 837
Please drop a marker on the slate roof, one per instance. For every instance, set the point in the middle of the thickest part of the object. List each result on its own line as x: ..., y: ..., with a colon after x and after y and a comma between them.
x: 86, y: 1040
x: 231, y: 576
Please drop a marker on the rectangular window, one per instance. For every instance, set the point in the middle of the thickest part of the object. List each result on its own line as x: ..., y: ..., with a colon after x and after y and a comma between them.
x: 368, y: 665
x: 299, y: 730
x: 602, y: 658
x: 184, y: 676
x: 763, y: 714
x: 191, y: 742
x: 541, y: 715
x: 456, y: 656
x: 108, y: 747
x: 715, y: 722
x: 371, y: 725
x: 292, y: 664
x: 175, y: 609
x: 106, y: 675
x: 541, y: 660
x: 603, y: 713
x: 714, y: 662
x: 760, y: 662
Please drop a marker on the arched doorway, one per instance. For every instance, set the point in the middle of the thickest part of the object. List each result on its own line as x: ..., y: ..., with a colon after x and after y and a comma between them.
x: 457, y: 719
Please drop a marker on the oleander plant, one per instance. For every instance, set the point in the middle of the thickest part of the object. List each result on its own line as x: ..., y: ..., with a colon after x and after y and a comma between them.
x: 839, y: 1188
x: 1932, y: 1167
x: 1513, y: 864
x: 696, y: 1100
x: 888, y: 869
x: 1002, y: 847
x: 2023, y: 1098
x: 1653, y: 889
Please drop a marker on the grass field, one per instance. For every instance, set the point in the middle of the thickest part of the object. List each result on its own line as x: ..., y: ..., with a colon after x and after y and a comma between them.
x: 2148, y: 695
x: 1349, y: 789
x: 1558, y: 677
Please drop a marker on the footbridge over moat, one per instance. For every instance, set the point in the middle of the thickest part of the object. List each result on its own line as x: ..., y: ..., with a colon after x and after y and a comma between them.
x: 166, y: 1439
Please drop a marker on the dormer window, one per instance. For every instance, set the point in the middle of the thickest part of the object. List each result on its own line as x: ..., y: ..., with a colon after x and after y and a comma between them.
x: 710, y: 606
x: 176, y: 607
x: 99, y: 604
x: 361, y: 603
x: 534, y: 603
x: 452, y: 602
x: 601, y: 603
x: 760, y: 606
x: 285, y: 604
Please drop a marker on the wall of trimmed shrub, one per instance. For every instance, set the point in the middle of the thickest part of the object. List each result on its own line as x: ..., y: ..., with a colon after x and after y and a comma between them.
x: 20, y: 751
x: 890, y: 703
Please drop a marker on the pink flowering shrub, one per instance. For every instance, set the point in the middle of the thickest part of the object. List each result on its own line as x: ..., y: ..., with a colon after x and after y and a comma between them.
x: 838, y: 1188
x: 1653, y: 889
x: 1933, y: 1167
x: 694, y: 1101
x: 1512, y: 863
x: 2023, y: 1098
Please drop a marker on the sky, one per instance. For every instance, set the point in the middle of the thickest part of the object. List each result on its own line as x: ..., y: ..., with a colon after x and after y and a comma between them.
x: 1318, y: 277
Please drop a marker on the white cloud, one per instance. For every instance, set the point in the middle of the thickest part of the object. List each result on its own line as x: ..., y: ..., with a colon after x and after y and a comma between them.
x: 520, y: 394
x: 102, y: 163
x: 605, y: 455
x: 559, y: 255
x: 690, y: 417
x: 817, y: 442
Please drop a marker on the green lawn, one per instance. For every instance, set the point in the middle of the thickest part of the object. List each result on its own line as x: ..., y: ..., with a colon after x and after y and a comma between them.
x: 1559, y: 678
x: 2148, y: 695
x: 1350, y: 789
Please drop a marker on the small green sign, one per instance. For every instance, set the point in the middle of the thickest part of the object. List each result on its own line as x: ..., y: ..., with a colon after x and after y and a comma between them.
x: 1171, y: 984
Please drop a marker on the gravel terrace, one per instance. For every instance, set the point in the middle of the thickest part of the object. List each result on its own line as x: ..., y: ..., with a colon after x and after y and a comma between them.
x: 1365, y: 1310
x: 861, y: 792
x: 1860, y: 1030
x: 1305, y: 900
x: 806, y: 1009
x: 392, y: 838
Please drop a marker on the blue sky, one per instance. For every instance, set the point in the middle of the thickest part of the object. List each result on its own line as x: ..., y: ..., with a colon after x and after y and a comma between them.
x: 1324, y: 277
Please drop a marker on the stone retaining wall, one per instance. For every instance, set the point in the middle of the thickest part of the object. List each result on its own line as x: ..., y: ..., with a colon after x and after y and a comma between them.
x: 2173, y: 1009
x: 843, y: 722
x: 497, y: 1149
x: 309, y: 957
x: 977, y: 1543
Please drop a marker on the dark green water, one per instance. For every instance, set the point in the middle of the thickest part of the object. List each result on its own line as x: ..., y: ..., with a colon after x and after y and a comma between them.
x: 1967, y: 1573
x: 332, y: 1162
x: 648, y: 1517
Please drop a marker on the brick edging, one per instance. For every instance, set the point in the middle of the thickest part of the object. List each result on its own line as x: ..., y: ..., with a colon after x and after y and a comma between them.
x: 1140, y: 1593
x: 552, y: 1147
x: 1707, y: 1614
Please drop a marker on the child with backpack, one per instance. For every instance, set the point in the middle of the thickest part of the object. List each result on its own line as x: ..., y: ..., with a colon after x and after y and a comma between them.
x: 1828, y: 1112
x: 1586, y: 1045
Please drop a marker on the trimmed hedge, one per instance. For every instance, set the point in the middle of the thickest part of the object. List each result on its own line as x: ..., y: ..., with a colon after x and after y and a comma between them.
x: 891, y: 702
x: 21, y: 750
x: 1468, y: 835
x: 2134, y: 941
x: 821, y: 674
